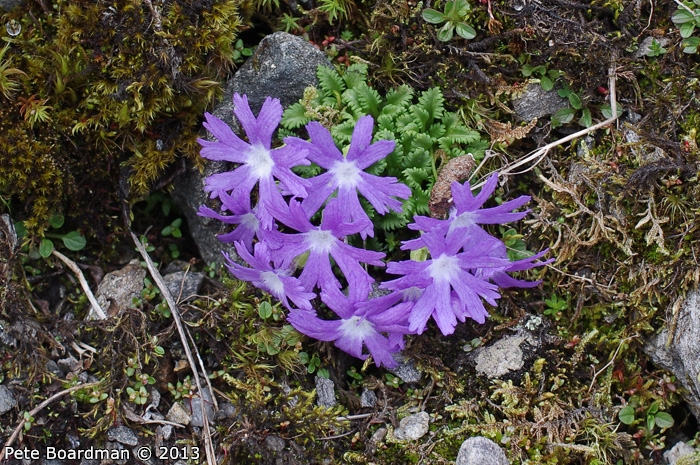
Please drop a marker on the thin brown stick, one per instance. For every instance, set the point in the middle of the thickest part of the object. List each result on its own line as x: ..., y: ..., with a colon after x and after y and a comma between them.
x: 209, y: 447
x: 83, y: 283
x: 38, y: 409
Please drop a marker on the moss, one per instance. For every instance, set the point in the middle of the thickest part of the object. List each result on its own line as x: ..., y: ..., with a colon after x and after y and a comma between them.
x: 106, y: 86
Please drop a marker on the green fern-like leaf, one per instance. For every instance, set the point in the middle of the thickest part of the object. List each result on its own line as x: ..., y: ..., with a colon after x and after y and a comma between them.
x: 391, y: 221
x: 415, y: 178
x: 295, y: 116
x: 330, y: 82
x: 368, y: 99
x: 432, y: 101
x: 397, y: 100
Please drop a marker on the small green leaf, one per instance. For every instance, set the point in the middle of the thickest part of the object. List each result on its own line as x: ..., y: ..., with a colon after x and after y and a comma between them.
x: 575, y: 100
x: 586, y: 120
x: 626, y: 415
x: 56, y: 221
x: 607, y: 111
x: 663, y: 420
x: 45, y: 247
x: 682, y: 16
x: 690, y: 45
x: 565, y: 115
x: 265, y: 310
x: 433, y: 16
x: 527, y: 70
x: 20, y: 229
x: 159, y: 351
x: 74, y: 241
x: 168, y: 230
x: 446, y: 32
x: 546, y: 83
x: 465, y: 30
x: 686, y: 29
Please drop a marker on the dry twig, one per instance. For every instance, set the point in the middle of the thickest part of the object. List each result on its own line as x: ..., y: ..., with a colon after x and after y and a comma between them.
x: 97, y: 310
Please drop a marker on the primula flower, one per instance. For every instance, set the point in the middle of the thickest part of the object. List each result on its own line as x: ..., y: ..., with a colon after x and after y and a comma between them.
x: 451, y: 291
x: 259, y: 163
x: 355, y: 328
x: 275, y: 281
x: 246, y: 219
x: 322, y: 243
x: 345, y: 174
x: 467, y: 214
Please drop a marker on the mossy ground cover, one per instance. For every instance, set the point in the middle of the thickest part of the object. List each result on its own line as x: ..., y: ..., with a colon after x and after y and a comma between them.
x: 102, y: 103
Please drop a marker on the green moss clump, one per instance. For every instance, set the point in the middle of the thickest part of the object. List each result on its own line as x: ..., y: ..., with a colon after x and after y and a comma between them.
x: 102, y: 86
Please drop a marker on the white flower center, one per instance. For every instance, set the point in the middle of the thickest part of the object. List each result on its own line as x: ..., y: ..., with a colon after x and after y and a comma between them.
x: 357, y: 328
x: 260, y: 161
x: 444, y: 268
x: 462, y: 221
x: 345, y: 173
x: 320, y: 241
x: 250, y: 222
x: 273, y: 283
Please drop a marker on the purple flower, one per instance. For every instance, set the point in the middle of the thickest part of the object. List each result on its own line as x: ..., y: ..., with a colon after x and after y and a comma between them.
x: 450, y: 290
x: 247, y: 220
x: 467, y: 213
x: 275, y: 281
x: 503, y: 280
x: 322, y: 243
x: 355, y: 328
x: 259, y: 163
x: 345, y: 174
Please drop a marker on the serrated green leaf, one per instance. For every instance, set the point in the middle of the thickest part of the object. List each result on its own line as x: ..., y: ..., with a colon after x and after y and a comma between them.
x: 295, y: 116
x: 433, y: 16
x: 369, y: 100
x: 330, y: 81
x: 45, y: 247
x: 74, y: 241
x: 432, y: 101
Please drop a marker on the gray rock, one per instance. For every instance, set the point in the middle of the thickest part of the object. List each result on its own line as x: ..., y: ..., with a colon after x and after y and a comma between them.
x: 368, y: 398
x: 7, y: 400
x: 503, y: 356
x: 282, y: 66
x: 682, y: 356
x: 413, y: 427
x: 535, y: 102
x: 178, y: 414
x: 194, y: 408
x: 406, y: 370
x: 166, y: 431
x: 275, y: 443
x: 122, y: 435
x: 70, y: 365
x: 118, y: 289
x: 5, y: 337
x: 53, y: 368
x: 7, y: 5
x: 481, y: 451
x: 325, y: 392
x: 183, y: 285
x: 682, y: 454
x: 226, y: 410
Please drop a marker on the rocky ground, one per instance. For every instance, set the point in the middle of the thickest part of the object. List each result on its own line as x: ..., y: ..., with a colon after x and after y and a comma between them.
x: 599, y: 364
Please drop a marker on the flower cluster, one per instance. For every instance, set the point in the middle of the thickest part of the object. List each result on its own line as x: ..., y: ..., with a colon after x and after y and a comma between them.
x: 297, y: 261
